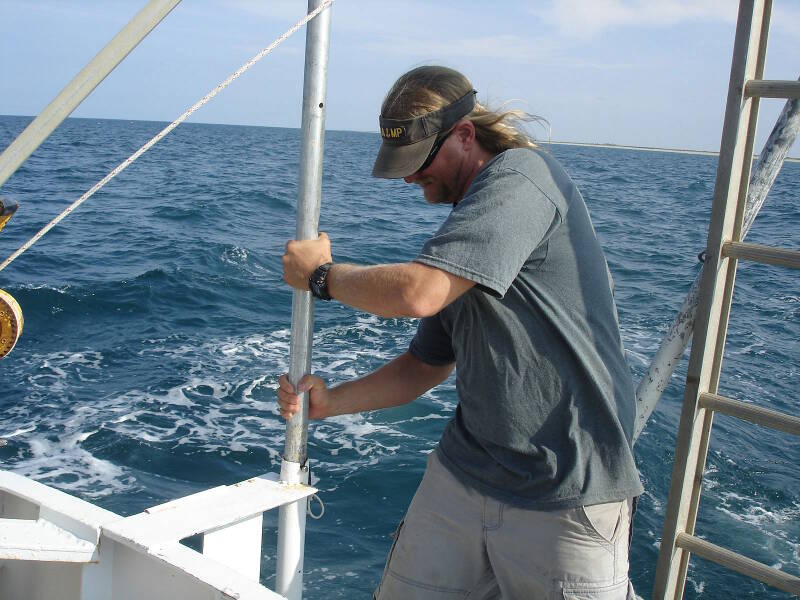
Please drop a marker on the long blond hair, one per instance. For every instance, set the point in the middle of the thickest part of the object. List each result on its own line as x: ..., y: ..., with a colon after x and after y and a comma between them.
x: 428, y: 88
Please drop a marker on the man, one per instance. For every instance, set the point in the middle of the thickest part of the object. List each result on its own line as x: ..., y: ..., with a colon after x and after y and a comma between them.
x: 528, y: 494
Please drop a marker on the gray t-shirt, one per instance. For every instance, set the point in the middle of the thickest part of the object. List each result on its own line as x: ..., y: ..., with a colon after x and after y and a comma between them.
x: 546, y: 400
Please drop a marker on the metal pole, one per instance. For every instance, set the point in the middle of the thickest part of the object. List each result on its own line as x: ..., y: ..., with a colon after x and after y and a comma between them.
x: 670, y: 351
x: 82, y: 85
x: 292, y: 517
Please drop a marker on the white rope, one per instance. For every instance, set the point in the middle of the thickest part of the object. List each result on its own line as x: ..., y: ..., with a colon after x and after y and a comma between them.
x: 124, y: 165
x: 310, y: 512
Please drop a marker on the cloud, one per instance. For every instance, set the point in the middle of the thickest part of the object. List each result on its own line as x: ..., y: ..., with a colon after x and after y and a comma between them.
x: 588, y: 18
x: 449, y: 33
x: 558, y: 24
x: 505, y: 48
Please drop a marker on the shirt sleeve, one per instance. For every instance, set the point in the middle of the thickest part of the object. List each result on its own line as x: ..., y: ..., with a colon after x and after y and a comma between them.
x: 432, y: 344
x: 493, y: 230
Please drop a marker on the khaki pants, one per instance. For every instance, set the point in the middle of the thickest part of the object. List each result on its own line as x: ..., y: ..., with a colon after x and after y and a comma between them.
x: 456, y: 542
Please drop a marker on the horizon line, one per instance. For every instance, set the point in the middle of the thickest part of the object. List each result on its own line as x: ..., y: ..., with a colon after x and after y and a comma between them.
x: 609, y: 145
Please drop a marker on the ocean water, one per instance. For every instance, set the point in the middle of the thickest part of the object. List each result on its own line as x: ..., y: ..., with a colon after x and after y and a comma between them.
x: 156, y: 325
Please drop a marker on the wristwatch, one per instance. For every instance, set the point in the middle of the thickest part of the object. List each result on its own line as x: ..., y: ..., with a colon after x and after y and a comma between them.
x: 318, y: 282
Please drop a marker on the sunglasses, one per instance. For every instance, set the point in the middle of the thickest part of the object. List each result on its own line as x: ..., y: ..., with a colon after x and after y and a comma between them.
x: 437, y: 145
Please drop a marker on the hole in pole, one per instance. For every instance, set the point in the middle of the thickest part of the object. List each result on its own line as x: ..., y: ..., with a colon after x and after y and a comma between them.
x: 320, y: 104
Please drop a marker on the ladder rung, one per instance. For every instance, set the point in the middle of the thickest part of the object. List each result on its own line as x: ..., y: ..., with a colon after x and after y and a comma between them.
x: 740, y: 564
x: 748, y: 412
x: 782, y: 257
x: 766, y: 88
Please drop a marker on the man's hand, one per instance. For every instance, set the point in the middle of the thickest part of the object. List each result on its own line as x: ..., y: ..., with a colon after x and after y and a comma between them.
x: 319, y: 397
x: 399, y: 381
x: 303, y: 257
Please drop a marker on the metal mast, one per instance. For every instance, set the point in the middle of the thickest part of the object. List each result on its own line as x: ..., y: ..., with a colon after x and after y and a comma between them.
x: 292, y: 517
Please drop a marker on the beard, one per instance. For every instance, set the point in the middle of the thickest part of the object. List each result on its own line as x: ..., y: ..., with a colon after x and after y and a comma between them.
x: 445, y: 185
x: 437, y: 191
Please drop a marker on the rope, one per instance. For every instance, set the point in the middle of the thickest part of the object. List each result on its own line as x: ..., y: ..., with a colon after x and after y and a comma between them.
x: 124, y: 165
x: 310, y: 512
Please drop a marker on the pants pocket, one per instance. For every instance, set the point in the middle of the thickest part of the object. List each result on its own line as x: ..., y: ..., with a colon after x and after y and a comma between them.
x: 397, y: 586
x: 593, y: 591
x: 605, y: 520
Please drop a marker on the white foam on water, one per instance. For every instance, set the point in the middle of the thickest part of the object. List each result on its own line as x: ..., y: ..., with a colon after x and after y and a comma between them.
x: 49, y: 376
x: 175, y: 396
x: 125, y: 417
x: 430, y: 417
x: 64, y: 464
x: 699, y: 586
x: 90, y: 358
x: 21, y: 431
x: 82, y: 437
x: 749, y: 510
x: 359, y: 427
x: 234, y: 255
x: 439, y: 398
x: 43, y: 286
x: 774, y: 528
x: 222, y: 402
x: 353, y: 432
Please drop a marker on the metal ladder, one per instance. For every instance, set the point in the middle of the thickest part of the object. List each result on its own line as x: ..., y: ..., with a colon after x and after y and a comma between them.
x: 724, y: 249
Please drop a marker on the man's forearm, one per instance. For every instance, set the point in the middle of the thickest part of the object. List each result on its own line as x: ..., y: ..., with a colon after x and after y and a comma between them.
x: 396, y: 290
x: 383, y: 290
x: 398, y: 382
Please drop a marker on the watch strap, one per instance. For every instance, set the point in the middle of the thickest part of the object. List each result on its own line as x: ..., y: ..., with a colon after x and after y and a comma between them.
x: 318, y: 282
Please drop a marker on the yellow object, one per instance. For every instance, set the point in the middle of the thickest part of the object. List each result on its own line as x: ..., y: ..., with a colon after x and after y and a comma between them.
x: 11, y: 322
x: 7, y: 210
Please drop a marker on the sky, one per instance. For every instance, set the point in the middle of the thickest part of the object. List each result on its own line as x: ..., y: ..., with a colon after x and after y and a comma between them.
x: 629, y: 72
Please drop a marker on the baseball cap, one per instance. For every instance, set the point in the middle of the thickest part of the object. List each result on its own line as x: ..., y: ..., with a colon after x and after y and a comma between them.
x: 407, y: 142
